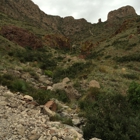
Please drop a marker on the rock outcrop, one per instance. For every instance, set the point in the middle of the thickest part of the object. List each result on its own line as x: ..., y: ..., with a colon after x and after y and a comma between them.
x: 57, y: 41
x: 121, y: 12
x: 21, y: 36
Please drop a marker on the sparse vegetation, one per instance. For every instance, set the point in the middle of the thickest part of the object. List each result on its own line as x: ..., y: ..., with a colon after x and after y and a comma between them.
x: 72, y: 71
x: 128, y: 58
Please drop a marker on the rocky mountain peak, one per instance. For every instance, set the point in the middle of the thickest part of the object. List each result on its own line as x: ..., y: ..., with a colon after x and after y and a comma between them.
x: 121, y: 12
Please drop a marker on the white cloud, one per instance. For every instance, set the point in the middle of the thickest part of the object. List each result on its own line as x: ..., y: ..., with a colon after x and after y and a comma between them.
x: 91, y: 10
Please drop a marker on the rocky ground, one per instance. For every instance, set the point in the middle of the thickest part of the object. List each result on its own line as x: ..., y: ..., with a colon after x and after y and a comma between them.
x: 21, y: 118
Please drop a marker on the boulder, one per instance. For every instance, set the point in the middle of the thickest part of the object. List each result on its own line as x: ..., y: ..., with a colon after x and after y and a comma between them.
x: 72, y: 93
x: 8, y: 94
x: 94, y: 83
x: 28, y: 98
x: 44, y: 79
x: 95, y: 139
x: 58, y: 86
x: 51, y: 105
x: 26, y: 76
x: 49, y: 112
x: 49, y: 88
x: 76, y: 121
x: 66, y: 80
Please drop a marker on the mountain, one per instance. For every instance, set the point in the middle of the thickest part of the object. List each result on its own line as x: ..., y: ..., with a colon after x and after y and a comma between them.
x: 93, y: 68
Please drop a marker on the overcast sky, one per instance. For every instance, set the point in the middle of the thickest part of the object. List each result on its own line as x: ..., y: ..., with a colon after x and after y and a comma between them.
x: 91, y: 10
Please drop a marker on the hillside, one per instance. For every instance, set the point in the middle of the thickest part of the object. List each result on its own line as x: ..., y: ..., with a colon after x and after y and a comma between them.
x: 91, y: 68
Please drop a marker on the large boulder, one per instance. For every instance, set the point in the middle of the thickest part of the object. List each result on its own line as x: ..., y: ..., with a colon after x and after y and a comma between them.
x: 67, y: 86
x: 51, y: 105
x: 58, y: 86
x: 61, y: 85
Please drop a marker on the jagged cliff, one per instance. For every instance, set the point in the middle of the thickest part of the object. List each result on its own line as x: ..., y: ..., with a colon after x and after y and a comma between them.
x: 122, y: 12
x: 75, y: 30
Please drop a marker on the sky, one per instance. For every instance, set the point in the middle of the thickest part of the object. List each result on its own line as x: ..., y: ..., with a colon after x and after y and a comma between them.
x: 91, y: 10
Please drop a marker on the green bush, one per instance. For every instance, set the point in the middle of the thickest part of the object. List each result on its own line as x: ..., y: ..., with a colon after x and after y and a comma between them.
x: 110, y: 117
x: 134, y: 94
x: 6, y: 79
x: 48, y: 73
x: 19, y: 85
x: 64, y: 120
x: 42, y: 96
x: 128, y: 58
x: 14, y: 83
x: 121, y: 44
x: 28, y: 55
x: 131, y: 76
x: 73, y: 71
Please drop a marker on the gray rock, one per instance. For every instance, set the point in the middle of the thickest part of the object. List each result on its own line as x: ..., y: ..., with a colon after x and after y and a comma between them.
x: 94, y: 83
x: 76, y: 121
x: 33, y: 137
x: 8, y: 94
x: 3, y: 103
x: 54, y: 138
x: 21, y: 129
x: 95, y: 139
x: 28, y: 98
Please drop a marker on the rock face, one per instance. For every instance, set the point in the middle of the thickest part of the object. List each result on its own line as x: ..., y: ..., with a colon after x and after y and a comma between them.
x: 27, y: 11
x: 57, y: 41
x: 121, y: 12
x: 21, y: 36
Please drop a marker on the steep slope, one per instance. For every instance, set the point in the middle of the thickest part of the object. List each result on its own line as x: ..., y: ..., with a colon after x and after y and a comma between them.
x: 87, y: 66
x: 75, y: 30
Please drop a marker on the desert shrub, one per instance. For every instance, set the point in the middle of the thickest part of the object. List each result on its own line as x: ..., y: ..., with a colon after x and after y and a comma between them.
x: 102, y: 69
x: 108, y: 56
x: 6, y: 79
x: 131, y: 76
x: 128, y: 58
x: 121, y: 44
x: 42, y: 96
x: 34, y: 74
x: 110, y: 116
x: 48, y: 73
x: 72, y: 71
x: 134, y: 94
x: 14, y: 83
x: 61, y: 95
x: 92, y: 95
x: 64, y: 120
x: 29, y: 55
x: 19, y: 85
x: 95, y: 54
